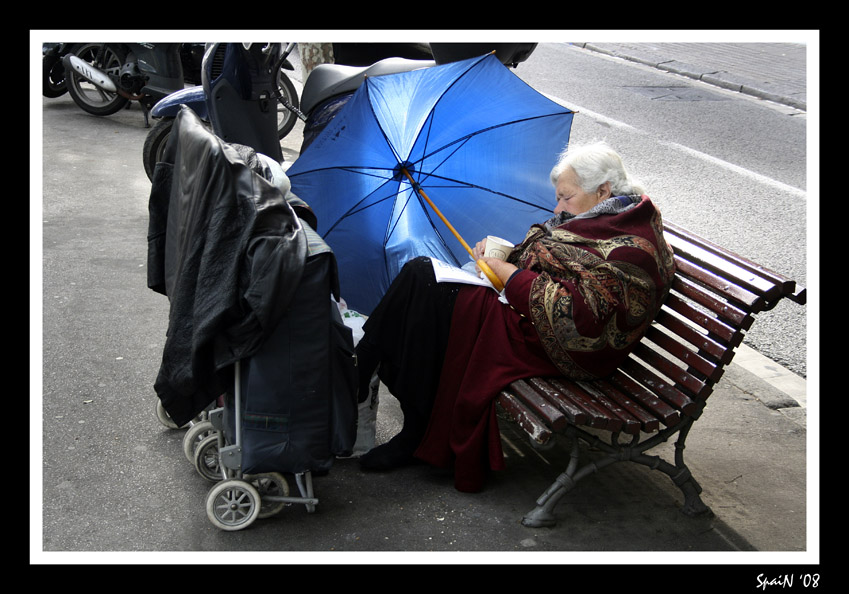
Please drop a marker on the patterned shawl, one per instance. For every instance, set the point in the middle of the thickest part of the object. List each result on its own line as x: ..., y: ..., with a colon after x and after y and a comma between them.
x: 602, y: 278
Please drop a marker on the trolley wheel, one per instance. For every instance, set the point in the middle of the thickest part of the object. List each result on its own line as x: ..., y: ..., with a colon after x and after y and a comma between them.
x: 233, y: 504
x: 269, y: 484
x: 164, y: 417
x: 196, y: 433
x: 206, y: 459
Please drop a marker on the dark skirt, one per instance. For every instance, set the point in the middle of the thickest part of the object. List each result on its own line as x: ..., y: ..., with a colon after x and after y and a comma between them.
x: 407, y: 336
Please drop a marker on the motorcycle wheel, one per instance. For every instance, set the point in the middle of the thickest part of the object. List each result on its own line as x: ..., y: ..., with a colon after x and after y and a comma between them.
x: 53, y: 80
x: 286, y: 118
x: 155, y: 143
x: 89, y: 97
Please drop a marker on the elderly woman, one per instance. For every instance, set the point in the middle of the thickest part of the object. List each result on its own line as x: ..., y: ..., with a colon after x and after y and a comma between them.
x: 581, y: 289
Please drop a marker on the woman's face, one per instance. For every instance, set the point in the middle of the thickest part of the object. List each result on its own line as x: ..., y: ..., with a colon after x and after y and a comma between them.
x: 571, y: 198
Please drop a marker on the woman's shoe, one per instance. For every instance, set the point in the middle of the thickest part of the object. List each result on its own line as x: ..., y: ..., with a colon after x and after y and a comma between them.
x: 395, y: 453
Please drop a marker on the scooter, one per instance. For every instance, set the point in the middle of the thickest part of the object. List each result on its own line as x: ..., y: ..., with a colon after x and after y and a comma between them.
x: 329, y: 87
x: 53, y: 70
x: 229, y: 70
x: 102, y: 78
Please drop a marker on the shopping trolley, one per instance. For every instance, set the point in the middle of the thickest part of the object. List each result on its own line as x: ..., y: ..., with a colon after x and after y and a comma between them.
x: 258, y: 362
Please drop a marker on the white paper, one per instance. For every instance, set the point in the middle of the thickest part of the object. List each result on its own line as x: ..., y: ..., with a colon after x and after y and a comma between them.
x: 446, y: 273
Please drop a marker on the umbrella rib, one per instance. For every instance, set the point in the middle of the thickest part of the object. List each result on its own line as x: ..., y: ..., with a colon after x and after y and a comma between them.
x: 458, y: 144
x: 355, y: 208
x: 464, y: 139
x: 427, y: 214
x: 425, y: 210
x: 501, y: 125
x: 482, y: 188
x: 370, y: 105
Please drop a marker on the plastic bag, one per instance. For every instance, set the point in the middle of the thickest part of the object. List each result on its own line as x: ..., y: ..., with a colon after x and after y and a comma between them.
x: 352, y: 320
x: 367, y: 419
x: 367, y: 410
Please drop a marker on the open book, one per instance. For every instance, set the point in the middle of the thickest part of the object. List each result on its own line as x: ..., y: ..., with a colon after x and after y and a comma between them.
x: 448, y: 273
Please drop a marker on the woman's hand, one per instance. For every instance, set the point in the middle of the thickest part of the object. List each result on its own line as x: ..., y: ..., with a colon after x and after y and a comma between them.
x: 503, y: 270
x: 478, y: 249
x: 500, y: 268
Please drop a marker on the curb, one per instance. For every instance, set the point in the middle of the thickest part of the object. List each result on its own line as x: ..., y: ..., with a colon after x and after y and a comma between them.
x: 773, y: 373
x: 789, y: 396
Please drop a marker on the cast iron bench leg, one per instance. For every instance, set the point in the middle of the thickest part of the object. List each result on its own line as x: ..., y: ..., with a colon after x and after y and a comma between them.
x: 680, y: 474
x: 543, y: 514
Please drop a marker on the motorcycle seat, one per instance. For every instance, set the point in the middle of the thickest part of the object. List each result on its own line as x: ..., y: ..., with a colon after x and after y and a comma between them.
x: 328, y: 80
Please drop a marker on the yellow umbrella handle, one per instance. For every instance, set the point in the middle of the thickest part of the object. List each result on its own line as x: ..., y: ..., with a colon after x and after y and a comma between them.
x: 496, y: 282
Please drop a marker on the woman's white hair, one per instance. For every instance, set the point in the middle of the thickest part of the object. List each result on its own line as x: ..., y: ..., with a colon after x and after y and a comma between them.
x: 594, y: 164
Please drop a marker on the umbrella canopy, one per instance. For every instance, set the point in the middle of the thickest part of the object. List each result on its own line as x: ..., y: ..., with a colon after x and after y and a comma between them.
x: 477, y: 139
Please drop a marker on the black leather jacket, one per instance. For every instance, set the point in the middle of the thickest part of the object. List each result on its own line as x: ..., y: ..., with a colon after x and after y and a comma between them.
x: 228, y: 251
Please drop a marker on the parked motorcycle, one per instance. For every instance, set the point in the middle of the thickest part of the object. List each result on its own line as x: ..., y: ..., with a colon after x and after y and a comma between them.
x: 228, y: 67
x: 54, y: 84
x: 103, y: 78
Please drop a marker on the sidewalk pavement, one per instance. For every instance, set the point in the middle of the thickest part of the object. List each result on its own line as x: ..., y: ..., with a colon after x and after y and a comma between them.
x: 114, y: 479
x: 771, y: 71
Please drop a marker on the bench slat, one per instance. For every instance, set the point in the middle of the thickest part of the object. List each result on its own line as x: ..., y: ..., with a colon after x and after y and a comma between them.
x: 574, y: 413
x: 645, y: 398
x: 767, y: 288
x: 597, y: 416
x: 706, y: 344
x: 768, y: 285
x: 634, y: 416
x: 787, y: 286
x: 720, y: 285
x: 659, y: 388
x: 725, y: 310
x: 712, y: 325
x: 674, y: 372
x: 686, y: 356
x: 544, y: 409
x: 523, y: 417
x: 630, y: 424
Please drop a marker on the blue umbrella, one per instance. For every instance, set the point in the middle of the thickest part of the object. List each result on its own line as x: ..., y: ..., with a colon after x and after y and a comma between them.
x: 469, y: 139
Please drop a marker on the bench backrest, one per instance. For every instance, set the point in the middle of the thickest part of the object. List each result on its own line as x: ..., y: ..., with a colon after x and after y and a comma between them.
x: 711, y: 305
x: 672, y: 371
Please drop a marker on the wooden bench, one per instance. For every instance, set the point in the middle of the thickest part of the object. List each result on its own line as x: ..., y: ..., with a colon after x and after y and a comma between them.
x: 663, y: 386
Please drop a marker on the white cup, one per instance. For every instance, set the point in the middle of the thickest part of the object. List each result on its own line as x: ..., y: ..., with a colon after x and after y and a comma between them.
x: 496, y: 247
